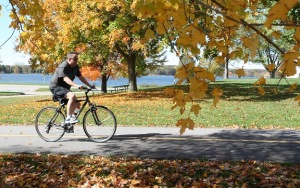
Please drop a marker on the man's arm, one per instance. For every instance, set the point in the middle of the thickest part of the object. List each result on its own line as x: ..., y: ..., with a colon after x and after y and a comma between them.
x: 83, y: 80
x: 70, y: 82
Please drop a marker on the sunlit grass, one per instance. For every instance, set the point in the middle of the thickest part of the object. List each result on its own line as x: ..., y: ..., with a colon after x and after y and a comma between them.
x: 240, y: 107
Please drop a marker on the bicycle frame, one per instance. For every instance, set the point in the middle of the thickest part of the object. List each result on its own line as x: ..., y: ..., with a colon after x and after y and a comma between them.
x: 86, y: 101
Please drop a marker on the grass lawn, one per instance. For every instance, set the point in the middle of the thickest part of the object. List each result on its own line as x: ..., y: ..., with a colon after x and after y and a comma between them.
x: 240, y: 107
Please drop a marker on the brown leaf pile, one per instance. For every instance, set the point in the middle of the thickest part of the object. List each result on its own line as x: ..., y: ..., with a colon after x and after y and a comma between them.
x: 24, y: 170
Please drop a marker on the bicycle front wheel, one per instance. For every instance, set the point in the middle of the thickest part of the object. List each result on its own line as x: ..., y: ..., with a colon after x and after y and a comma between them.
x: 49, y: 124
x: 99, y: 124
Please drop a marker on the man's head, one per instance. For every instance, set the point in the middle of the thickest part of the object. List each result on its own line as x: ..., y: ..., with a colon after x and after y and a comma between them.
x: 72, y: 58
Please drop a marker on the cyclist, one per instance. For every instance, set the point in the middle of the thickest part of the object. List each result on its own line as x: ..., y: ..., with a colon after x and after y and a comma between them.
x: 62, y: 81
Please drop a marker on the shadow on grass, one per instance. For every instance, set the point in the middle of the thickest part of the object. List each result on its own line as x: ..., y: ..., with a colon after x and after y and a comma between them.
x: 7, y: 93
x: 231, y: 92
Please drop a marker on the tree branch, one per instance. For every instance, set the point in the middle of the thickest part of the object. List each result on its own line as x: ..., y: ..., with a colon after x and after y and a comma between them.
x: 243, y: 22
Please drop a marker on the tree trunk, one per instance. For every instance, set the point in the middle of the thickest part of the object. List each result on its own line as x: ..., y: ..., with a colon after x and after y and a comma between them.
x: 226, y: 71
x: 104, y: 83
x: 272, y: 74
x: 132, y: 73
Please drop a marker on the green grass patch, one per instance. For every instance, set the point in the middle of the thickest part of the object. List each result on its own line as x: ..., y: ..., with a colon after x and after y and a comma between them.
x: 240, y: 107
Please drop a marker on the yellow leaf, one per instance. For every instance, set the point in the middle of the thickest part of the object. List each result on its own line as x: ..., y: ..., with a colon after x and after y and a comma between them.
x: 185, y: 123
x: 293, y: 87
x: 181, y: 73
x: 260, y: 81
x: 149, y: 34
x: 240, y: 72
x: 216, y: 93
x: 220, y: 60
x: 251, y: 43
x: 12, y: 15
x: 196, y: 108
x: 43, y: 57
x: 297, y: 98
x: 279, y: 11
x: 261, y: 91
x: 170, y: 92
x: 24, y: 34
x: 270, y: 67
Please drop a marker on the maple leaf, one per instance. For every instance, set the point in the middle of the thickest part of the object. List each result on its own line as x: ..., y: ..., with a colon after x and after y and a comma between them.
x: 279, y: 11
x: 184, y: 124
x: 261, y: 91
x: 170, y: 92
x: 240, y: 72
x: 293, y: 87
x: 196, y: 108
x: 43, y: 57
x: 297, y: 98
x: 270, y: 67
x: 260, y: 81
x: 216, y: 93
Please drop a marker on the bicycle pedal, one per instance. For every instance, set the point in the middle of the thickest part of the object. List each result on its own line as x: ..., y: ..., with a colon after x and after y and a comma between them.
x: 70, y: 130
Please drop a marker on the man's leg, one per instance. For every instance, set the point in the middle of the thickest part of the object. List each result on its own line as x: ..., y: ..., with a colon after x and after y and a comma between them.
x: 71, y: 103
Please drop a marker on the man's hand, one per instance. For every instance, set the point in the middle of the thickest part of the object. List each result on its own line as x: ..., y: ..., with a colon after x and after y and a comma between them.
x: 80, y: 87
x: 93, y: 87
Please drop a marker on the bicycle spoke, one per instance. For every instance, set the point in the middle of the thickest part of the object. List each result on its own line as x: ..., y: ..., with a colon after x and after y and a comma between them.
x: 100, y: 124
x: 50, y: 130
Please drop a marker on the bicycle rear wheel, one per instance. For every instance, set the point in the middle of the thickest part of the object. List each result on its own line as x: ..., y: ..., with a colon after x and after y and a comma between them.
x: 49, y: 124
x: 99, y: 124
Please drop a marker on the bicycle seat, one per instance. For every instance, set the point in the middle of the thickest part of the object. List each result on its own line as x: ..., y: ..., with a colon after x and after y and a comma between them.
x: 61, y: 101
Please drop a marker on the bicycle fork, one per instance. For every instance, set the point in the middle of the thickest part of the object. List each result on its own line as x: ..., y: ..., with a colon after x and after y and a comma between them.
x: 50, y: 123
x: 95, y: 116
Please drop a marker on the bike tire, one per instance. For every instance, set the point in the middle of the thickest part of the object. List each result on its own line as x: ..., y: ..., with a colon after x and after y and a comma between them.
x: 106, y: 126
x: 49, y: 124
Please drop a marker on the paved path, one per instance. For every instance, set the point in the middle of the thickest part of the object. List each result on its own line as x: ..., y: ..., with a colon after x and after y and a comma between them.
x: 213, y: 144
x: 29, y: 90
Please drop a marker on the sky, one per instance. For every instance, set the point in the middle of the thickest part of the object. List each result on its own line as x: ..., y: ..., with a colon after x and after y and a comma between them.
x: 8, y: 56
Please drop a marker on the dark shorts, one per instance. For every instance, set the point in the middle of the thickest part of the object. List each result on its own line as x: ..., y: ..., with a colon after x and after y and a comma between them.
x: 59, y: 92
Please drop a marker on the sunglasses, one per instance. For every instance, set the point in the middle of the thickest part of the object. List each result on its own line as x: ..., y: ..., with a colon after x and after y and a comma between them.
x: 75, y: 58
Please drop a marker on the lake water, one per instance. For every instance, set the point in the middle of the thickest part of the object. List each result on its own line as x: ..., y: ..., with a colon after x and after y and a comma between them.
x: 41, y: 79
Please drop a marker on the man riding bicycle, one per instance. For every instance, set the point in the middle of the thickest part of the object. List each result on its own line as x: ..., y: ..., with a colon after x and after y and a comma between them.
x: 62, y: 81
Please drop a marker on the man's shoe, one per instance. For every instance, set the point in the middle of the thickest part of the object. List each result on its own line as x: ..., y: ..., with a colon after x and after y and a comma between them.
x: 71, y: 121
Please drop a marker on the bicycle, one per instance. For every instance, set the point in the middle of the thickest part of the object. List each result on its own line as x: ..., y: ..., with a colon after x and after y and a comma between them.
x: 99, y: 122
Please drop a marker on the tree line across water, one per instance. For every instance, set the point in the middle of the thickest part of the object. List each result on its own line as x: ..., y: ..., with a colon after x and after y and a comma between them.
x: 26, y: 69
x: 19, y: 69
x: 163, y: 70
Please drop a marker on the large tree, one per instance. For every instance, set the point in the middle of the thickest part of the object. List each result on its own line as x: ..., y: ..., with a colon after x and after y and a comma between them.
x: 106, y: 27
